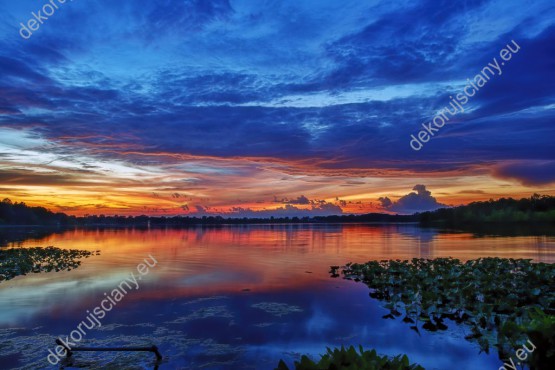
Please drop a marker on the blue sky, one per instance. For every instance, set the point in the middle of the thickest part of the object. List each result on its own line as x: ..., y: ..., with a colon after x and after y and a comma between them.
x: 116, y: 107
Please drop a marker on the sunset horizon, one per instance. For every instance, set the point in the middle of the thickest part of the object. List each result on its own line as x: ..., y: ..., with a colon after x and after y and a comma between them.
x: 238, y: 109
x: 287, y: 208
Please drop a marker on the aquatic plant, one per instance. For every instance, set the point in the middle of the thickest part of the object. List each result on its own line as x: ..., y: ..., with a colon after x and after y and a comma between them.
x: 504, y: 301
x: 21, y: 261
x: 540, y: 332
x: 350, y: 359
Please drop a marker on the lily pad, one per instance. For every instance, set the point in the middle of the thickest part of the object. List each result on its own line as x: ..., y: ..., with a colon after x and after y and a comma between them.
x: 21, y: 261
x: 500, y: 299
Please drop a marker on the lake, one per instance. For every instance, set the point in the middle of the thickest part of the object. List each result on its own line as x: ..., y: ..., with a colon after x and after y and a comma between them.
x: 235, y: 297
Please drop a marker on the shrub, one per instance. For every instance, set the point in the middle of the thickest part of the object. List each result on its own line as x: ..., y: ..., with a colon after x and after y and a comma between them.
x: 350, y: 359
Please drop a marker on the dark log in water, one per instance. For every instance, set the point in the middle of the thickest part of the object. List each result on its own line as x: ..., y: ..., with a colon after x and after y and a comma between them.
x: 69, y: 351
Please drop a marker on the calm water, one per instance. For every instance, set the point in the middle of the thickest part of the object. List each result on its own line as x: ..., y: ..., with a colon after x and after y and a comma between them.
x: 237, y: 297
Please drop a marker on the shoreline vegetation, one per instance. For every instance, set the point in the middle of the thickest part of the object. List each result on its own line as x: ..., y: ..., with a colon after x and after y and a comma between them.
x: 538, y: 209
x: 22, y: 261
x: 505, y: 302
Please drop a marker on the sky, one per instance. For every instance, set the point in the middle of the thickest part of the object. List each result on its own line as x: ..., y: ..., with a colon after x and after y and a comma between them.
x: 274, y: 108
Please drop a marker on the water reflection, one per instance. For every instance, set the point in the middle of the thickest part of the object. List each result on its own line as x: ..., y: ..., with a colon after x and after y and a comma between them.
x: 221, y: 296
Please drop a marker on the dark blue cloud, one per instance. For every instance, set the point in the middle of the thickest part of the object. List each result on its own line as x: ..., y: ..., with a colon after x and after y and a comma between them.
x: 419, y: 201
x: 532, y: 174
x: 324, y: 209
x: 286, y: 80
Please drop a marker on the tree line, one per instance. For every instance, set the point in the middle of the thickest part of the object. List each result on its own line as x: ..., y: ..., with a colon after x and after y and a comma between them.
x: 533, y: 210
x: 536, y: 209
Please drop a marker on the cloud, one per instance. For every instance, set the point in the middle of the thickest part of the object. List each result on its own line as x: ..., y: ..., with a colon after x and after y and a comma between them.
x: 299, y: 200
x: 413, y: 202
x: 385, y: 202
x: 225, y: 108
x: 530, y: 173
x: 323, y: 209
x: 221, y: 89
x: 471, y: 192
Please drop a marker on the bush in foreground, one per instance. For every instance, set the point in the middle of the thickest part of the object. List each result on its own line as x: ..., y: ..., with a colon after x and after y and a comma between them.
x: 350, y: 359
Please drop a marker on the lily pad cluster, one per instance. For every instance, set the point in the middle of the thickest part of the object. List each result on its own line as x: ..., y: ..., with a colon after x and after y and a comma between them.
x: 504, y: 301
x: 21, y: 261
x: 351, y: 359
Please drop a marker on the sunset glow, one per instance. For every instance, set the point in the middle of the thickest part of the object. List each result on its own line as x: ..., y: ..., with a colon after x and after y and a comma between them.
x: 239, y: 109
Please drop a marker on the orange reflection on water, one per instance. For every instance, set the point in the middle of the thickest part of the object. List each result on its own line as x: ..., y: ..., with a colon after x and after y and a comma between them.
x: 278, y: 265
x: 206, y: 261
x: 219, y: 259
